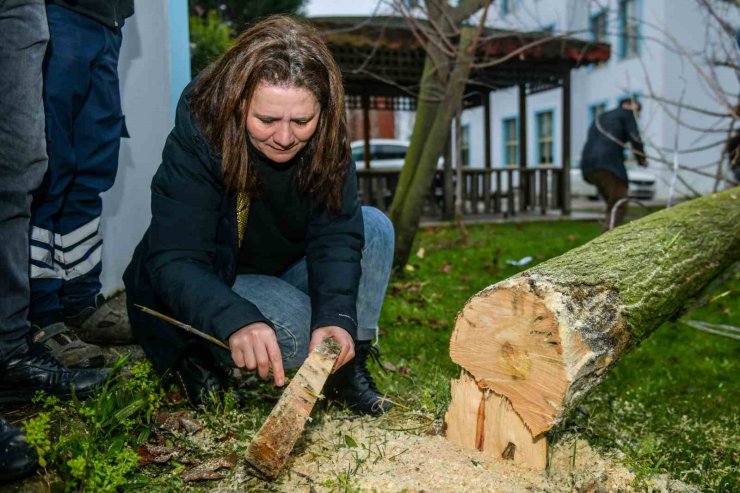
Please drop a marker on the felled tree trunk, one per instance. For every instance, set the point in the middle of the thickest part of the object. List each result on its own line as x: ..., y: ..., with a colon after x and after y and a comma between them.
x: 544, y: 338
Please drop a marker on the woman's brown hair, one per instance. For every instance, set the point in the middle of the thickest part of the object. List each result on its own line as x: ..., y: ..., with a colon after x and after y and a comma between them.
x: 280, y: 51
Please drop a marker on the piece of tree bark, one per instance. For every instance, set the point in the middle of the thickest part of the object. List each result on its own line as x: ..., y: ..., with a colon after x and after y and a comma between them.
x: 270, y: 448
x: 544, y: 338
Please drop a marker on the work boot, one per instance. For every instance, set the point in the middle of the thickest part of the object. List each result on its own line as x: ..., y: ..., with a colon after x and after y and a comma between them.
x: 36, y: 369
x: 66, y: 347
x: 17, y: 457
x: 103, y: 324
x: 353, y: 386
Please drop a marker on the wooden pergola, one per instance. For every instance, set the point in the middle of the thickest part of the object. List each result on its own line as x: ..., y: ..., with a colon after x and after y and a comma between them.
x: 382, y: 62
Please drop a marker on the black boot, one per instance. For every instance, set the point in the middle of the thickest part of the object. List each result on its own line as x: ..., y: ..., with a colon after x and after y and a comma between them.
x: 199, y: 377
x: 17, y: 458
x: 25, y: 374
x: 353, y: 386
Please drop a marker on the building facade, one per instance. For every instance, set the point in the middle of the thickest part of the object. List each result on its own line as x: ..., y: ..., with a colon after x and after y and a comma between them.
x: 659, y: 55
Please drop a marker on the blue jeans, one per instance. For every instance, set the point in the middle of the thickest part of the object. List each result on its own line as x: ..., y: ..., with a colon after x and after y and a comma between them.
x: 84, y: 124
x: 23, y: 38
x: 284, y: 300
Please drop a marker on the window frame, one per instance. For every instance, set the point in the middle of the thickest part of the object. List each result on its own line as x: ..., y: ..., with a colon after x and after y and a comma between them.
x: 627, y: 40
x: 507, y: 142
x: 539, y: 140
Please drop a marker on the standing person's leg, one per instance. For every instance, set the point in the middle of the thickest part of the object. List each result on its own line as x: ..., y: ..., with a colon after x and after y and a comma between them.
x: 97, y: 130
x: 25, y: 370
x: 611, y: 189
x: 353, y: 384
x: 615, y: 190
x: 55, y: 252
x: 23, y: 37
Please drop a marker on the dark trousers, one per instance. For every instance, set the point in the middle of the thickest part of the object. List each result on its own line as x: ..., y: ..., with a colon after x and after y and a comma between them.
x: 23, y: 38
x: 83, y: 130
x: 612, y: 189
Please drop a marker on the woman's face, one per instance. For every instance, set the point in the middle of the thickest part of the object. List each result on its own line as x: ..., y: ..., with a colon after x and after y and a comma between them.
x: 281, y: 120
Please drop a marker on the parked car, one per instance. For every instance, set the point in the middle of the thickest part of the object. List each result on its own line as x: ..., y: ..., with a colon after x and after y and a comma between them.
x: 641, y: 184
x: 385, y: 154
x: 389, y: 155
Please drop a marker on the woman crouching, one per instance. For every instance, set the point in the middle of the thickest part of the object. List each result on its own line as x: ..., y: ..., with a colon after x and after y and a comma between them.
x: 257, y: 235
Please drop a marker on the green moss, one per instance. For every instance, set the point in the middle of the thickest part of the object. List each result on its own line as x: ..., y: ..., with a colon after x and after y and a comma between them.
x: 658, y: 262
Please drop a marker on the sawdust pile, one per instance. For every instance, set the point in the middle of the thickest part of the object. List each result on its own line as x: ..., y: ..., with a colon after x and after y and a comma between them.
x: 371, y: 455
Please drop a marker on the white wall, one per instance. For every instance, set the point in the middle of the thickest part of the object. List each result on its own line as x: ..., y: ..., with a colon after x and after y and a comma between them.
x: 145, y: 81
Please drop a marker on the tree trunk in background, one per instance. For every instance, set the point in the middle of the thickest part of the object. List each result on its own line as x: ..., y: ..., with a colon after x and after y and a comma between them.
x: 431, y: 130
x: 544, y: 338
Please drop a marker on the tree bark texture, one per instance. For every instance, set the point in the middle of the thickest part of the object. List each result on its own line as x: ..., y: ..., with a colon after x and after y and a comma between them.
x: 545, y: 337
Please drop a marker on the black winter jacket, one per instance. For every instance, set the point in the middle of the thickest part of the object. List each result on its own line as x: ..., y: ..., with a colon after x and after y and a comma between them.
x: 187, y: 261
x: 112, y: 13
x: 602, y: 152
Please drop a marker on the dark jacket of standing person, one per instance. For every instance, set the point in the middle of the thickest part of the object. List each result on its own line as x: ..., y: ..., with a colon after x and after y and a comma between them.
x: 604, y: 148
x: 111, y: 13
x: 190, y: 255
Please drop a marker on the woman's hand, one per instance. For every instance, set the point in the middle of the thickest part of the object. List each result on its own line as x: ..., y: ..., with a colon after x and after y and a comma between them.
x: 340, y: 336
x: 255, y: 346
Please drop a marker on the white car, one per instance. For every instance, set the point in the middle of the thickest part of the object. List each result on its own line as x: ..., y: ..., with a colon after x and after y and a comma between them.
x: 385, y: 154
x: 641, y: 184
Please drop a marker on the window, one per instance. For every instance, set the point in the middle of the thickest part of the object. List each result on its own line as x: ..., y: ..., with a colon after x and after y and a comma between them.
x: 358, y: 154
x: 544, y: 138
x: 465, y: 144
x: 388, y: 151
x: 598, y: 27
x: 629, y: 29
x: 511, y: 142
x: 507, y: 6
x: 595, y: 110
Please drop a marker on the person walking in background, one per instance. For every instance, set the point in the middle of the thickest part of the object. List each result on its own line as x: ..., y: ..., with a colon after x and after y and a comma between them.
x: 84, y: 124
x: 25, y: 368
x: 602, y: 159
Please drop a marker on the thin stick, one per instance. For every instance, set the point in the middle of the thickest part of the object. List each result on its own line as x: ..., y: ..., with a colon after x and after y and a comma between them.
x: 183, y: 326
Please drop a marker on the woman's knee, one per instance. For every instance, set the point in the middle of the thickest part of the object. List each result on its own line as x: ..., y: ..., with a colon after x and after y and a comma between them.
x: 378, y: 228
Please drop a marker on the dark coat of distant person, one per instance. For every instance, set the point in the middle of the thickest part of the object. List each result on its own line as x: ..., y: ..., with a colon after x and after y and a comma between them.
x: 605, y: 145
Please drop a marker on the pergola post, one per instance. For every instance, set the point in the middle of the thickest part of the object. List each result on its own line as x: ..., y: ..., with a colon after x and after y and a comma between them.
x: 523, y: 177
x: 366, y: 127
x: 487, y: 140
x: 564, y: 182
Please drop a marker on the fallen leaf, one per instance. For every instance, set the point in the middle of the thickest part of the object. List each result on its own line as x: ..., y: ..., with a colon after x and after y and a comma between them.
x: 571, y: 238
x: 157, y: 454
x: 389, y: 366
x: 405, y: 370
x: 409, y: 268
x: 420, y: 252
x: 177, y: 421
x: 465, y: 278
x: 350, y: 442
x: 208, y: 469
x: 445, y: 268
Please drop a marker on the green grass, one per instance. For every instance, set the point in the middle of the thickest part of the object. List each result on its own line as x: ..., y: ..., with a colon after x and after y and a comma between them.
x: 671, y: 405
